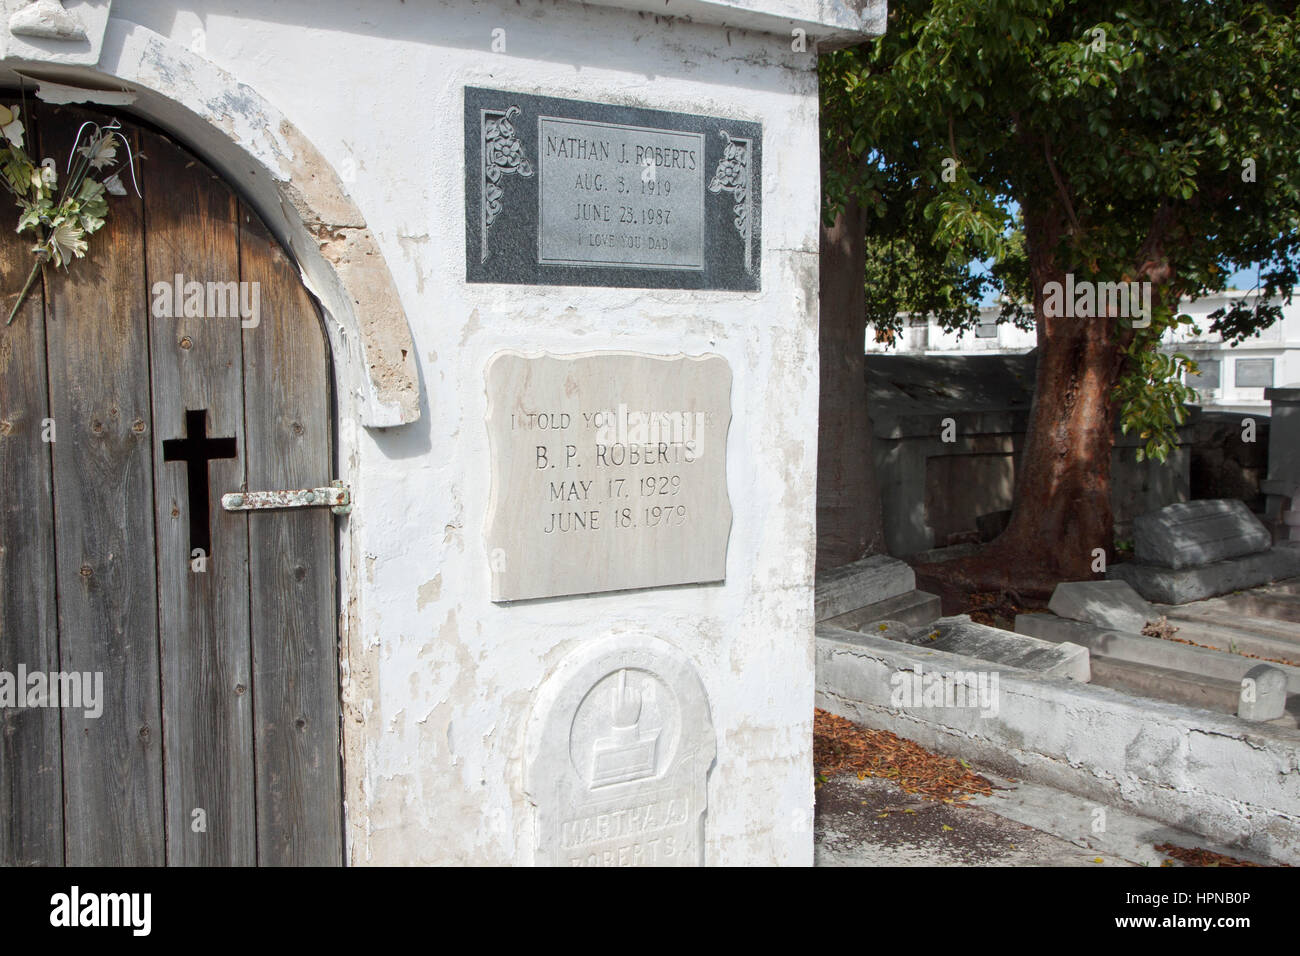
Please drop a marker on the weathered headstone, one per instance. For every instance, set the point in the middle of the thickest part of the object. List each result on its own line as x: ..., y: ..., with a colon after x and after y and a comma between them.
x: 1105, y: 603
x: 853, y: 586
x: 1194, y: 533
x: 618, y: 752
x: 608, y: 472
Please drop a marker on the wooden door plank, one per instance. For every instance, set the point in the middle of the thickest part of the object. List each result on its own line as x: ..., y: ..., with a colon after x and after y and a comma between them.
x: 31, y: 772
x: 99, y: 399
x: 291, y: 553
x: 192, y: 231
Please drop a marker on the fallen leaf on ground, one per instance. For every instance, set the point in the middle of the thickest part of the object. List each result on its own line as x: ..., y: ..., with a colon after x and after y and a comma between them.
x: 1190, y: 857
x: 840, y: 746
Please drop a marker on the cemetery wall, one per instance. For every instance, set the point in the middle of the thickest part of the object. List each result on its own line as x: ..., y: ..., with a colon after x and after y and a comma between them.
x: 931, y: 488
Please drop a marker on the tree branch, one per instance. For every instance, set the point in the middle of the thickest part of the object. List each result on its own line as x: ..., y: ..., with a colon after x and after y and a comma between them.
x: 1060, y: 185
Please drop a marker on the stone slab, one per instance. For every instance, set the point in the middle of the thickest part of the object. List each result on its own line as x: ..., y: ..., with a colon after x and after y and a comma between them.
x: 1192, y: 534
x: 618, y: 751
x: 959, y: 635
x: 567, y: 192
x: 1139, y: 649
x: 860, y: 584
x: 1112, y: 604
x: 1169, y: 586
x: 914, y: 609
x: 609, y: 472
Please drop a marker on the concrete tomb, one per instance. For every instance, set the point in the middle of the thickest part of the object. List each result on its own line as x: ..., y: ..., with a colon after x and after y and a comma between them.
x: 566, y: 262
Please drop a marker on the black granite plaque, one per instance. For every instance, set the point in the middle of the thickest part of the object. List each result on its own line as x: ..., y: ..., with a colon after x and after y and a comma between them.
x: 564, y: 192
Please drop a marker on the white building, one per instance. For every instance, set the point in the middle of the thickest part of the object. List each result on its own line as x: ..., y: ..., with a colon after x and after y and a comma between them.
x: 1232, y: 378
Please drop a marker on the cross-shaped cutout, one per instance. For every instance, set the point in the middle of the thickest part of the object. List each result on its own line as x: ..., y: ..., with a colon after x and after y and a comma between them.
x: 196, y: 449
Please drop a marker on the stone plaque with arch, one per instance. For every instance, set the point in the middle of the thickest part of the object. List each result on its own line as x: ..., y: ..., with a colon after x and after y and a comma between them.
x: 618, y: 754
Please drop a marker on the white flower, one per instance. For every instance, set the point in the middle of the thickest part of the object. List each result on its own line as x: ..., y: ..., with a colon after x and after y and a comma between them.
x: 67, y: 239
x: 114, y: 186
x: 49, y: 173
x: 11, y: 126
x: 101, y: 151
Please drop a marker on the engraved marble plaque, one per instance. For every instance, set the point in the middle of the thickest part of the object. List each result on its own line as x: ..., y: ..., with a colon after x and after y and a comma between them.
x: 619, y: 747
x: 609, y: 472
x: 583, y: 165
x: 565, y: 192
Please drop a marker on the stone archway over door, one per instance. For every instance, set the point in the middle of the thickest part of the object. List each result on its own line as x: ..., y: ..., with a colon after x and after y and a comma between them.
x: 219, y: 737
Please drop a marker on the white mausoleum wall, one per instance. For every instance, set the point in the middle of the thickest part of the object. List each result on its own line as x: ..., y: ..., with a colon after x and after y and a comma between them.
x: 438, y: 680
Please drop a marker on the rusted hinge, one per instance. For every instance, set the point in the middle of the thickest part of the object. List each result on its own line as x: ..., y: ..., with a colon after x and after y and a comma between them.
x: 337, y: 497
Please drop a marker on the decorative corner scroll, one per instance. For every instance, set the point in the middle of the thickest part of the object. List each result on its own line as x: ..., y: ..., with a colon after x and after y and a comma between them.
x: 46, y: 20
x: 733, y: 176
x: 502, y: 153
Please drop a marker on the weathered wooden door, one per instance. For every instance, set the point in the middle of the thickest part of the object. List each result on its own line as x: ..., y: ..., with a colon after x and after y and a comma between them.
x: 121, y: 425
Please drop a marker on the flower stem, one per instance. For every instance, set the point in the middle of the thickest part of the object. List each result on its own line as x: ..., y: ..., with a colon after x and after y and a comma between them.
x: 23, y: 295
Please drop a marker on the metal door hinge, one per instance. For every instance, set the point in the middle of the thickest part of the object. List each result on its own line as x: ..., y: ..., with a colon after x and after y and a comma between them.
x: 337, y: 497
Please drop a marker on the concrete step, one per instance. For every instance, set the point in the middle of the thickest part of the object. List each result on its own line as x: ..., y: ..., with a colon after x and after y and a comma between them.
x: 1163, y: 683
x: 1272, y: 607
x: 1276, y: 602
x: 1236, y: 633
x: 857, y: 585
x: 916, y: 609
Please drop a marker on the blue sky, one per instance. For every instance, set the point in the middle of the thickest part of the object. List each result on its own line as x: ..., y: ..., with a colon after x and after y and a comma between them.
x: 1241, y: 279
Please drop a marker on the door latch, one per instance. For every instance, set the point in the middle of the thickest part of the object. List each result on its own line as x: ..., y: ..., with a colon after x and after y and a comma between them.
x: 337, y: 497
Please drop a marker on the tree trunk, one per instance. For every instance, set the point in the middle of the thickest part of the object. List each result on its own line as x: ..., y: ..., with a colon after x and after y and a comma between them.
x: 1062, y: 512
x: 849, y: 524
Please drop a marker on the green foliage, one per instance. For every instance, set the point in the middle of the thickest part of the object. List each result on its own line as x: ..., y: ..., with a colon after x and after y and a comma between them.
x: 1137, y: 140
x: 905, y: 276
